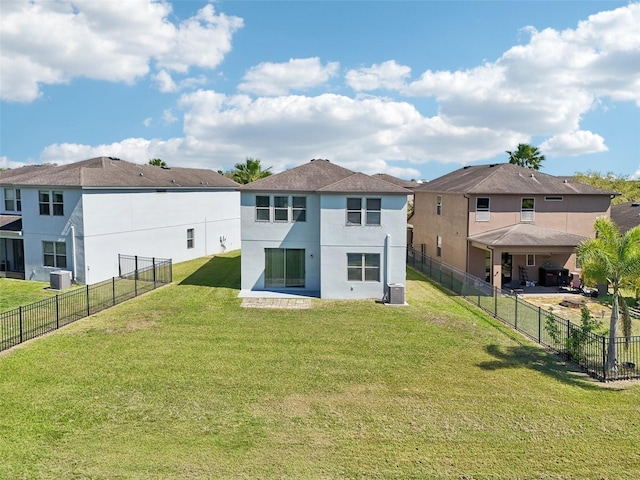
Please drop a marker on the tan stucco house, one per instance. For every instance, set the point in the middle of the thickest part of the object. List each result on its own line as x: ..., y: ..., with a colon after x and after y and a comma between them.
x: 505, y: 223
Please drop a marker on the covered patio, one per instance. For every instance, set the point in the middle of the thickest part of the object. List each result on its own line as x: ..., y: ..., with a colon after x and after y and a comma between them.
x: 524, y: 256
x: 11, y: 247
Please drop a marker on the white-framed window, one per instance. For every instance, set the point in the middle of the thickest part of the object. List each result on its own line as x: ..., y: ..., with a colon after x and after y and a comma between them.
x: 483, y: 213
x: 439, y: 205
x: 298, y: 209
x: 191, y: 238
x: 527, y: 209
x: 280, y: 208
x: 54, y: 254
x: 12, y: 200
x: 359, y: 208
x: 263, y: 208
x: 363, y: 267
x: 51, y: 202
x: 438, y: 246
x: 531, y: 260
x: 553, y: 198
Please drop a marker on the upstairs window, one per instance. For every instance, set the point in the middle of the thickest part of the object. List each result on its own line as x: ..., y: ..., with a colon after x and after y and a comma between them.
x: 51, y: 203
x: 439, y: 205
x: 298, y: 209
x: 281, y: 208
x: 368, y: 208
x: 483, y: 214
x: 12, y: 200
x: 374, y: 208
x: 527, y: 210
x: 263, y: 209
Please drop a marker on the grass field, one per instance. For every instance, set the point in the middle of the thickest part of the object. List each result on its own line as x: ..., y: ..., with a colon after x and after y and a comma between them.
x: 184, y: 383
x: 14, y: 293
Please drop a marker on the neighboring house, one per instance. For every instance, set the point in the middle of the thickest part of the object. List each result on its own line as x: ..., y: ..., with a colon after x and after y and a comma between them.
x: 626, y: 215
x: 79, y: 217
x: 503, y: 222
x: 325, y: 231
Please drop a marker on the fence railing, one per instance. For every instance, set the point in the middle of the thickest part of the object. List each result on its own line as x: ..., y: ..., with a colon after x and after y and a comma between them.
x: 583, y: 348
x: 36, y: 319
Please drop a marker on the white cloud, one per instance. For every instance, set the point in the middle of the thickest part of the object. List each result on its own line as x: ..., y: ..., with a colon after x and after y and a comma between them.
x: 580, y: 142
x: 168, y: 117
x: 273, y: 79
x: 165, y: 82
x: 6, y: 163
x: 386, y: 75
x: 147, y: 122
x: 46, y: 42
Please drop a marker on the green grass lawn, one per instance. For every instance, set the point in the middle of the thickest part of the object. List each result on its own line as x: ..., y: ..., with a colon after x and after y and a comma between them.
x: 14, y: 293
x: 184, y: 383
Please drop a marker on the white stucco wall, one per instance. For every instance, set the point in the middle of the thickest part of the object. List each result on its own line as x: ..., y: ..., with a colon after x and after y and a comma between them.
x: 100, y: 224
x: 327, y: 239
x: 337, y: 239
x: 256, y: 236
x: 37, y: 228
x: 155, y: 224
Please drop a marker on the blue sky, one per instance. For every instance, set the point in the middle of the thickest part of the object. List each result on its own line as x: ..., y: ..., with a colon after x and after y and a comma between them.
x: 414, y: 89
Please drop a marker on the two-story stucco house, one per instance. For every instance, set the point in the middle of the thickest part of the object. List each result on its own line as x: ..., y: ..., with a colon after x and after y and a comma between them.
x: 79, y: 217
x: 323, y: 230
x: 505, y: 223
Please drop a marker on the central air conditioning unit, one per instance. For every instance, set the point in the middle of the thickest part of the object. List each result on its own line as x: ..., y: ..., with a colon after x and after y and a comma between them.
x: 395, y: 293
x: 60, y: 280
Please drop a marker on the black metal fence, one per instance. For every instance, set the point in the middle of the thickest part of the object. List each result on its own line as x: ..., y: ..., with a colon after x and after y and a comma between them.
x: 583, y: 348
x: 36, y: 319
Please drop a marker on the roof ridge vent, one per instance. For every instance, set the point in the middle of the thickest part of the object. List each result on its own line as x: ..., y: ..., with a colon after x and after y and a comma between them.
x: 635, y: 204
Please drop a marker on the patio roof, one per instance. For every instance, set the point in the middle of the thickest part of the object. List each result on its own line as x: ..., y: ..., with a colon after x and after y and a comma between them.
x: 526, y: 235
x: 10, y: 226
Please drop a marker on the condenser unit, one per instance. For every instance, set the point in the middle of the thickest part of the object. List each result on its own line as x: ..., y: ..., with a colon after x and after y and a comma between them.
x: 60, y: 280
x: 395, y: 293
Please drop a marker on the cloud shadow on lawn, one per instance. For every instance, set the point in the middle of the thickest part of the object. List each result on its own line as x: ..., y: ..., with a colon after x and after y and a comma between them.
x: 220, y: 271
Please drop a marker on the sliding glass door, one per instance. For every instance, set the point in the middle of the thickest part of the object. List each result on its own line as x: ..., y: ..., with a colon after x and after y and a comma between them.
x: 284, y: 268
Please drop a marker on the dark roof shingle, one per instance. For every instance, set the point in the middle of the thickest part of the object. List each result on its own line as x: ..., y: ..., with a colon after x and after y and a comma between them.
x: 113, y: 173
x: 626, y: 215
x: 323, y: 176
x: 507, y: 178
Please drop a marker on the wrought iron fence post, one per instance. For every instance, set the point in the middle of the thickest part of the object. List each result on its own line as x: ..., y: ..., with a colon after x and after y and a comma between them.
x: 57, y: 312
x: 539, y: 324
x: 88, y: 303
x: 496, y: 292
x: 153, y: 261
x: 136, y: 268
x: 113, y: 289
x: 604, y: 359
x: 135, y: 280
x: 20, y: 313
x: 515, y: 317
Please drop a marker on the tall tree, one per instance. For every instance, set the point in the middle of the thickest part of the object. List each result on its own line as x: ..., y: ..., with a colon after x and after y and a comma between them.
x: 249, y: 171
x: 157, y: 162
x: 628, y: 189
x: 526, y: 156
x: 615, y: 259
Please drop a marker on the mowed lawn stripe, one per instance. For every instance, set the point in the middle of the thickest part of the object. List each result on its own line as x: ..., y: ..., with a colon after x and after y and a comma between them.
x: 184, y: 383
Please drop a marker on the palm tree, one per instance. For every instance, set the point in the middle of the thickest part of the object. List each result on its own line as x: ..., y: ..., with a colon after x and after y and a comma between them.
x: 526, y: 156
x: 157, y: 162
x: 613, y: 258
x: 249, y: 171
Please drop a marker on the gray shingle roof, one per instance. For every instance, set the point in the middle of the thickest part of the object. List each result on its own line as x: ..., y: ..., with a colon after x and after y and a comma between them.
x: 323, y: 176
x: 108, y: 172
x: 527, y: 235
x: 410, y: 184
x: 626, y: 215
x: 10, y: 223
x: 506, y: 178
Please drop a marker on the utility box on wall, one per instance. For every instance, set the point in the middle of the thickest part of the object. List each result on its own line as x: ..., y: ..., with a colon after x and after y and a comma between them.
x: 60, y: 280
x: 396, y: 293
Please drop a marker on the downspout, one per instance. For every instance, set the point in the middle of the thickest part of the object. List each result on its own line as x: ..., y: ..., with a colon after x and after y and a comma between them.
x: 73, y: 250
x: 387, y: 241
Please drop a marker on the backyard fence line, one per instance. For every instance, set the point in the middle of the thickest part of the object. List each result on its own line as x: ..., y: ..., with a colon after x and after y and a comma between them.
x: 39, y: 318
x: 583, y: 348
